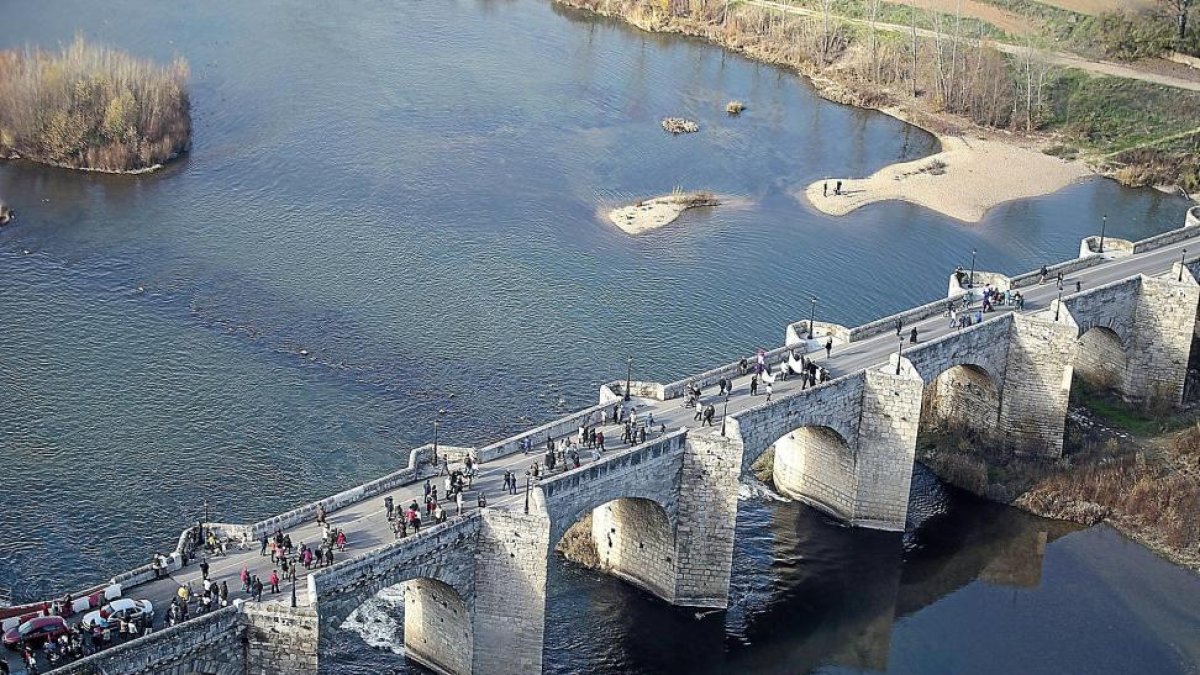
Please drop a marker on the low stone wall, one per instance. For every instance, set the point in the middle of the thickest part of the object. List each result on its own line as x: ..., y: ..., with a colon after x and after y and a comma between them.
x: 960, y: 283
x: 421, y: 463
x: 1167, y: 238
x: 1033, y: 278
x: 728, y: 371
x: 797, y: 334
x: 1192, y: 219
x: 209, y: 644
x: 556, y: 428
x: 1113, y: 248
x: 888, y: 323
x: 615, y: 391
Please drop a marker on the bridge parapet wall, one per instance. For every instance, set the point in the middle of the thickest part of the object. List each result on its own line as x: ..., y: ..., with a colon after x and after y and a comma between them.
x: 421, y: 463
x: 1113, y: 247
x: 563, y: 425
x: 908, y: 316
x: 208, y: 644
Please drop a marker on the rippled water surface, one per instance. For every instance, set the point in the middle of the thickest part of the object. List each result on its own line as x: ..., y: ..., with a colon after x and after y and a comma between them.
x: 408, y: 192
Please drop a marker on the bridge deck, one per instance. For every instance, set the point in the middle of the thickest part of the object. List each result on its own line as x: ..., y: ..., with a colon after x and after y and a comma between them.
x: 367, y: 528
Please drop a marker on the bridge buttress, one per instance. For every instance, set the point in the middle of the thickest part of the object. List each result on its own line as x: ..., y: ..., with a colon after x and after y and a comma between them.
x: 1163, y: 324
x: 1037, y: 382
x: 708, y: 505
x: 510, y: 592
x: 887, y: 444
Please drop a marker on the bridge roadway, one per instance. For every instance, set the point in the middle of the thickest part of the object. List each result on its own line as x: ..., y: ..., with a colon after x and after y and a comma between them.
x: 367, y: 528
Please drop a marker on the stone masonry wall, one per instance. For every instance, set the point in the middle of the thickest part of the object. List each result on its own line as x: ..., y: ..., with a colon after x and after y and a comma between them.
x: 208, y: 645
x: 962, y: 397
x: 510, y: 603
x: 635, y: 541
x: 1033, y: 403
x: 815, y: 465
x: 707, y: 518
x: 437, y: 627
x: 1164, y: 323
x: 887, y: 442
x: 279, y: 639
x: 1100, y: 359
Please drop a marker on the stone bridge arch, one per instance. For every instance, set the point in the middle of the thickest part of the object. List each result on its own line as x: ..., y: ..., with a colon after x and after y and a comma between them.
x: 632, y: 499
x: 1102, y: 358
x: 816, y: 464
x: 962, y: 398
x: 435, y: 569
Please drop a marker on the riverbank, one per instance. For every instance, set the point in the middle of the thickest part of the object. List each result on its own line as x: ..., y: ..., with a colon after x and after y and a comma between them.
x: 966, y: 179
x: 1126, y: 129
x: 1146, y: 484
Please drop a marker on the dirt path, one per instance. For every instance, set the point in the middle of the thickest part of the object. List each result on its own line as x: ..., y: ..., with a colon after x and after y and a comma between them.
x: 1056, y: 58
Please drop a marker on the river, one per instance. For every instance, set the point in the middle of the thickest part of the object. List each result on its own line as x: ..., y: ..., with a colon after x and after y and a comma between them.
x: 391, y: 210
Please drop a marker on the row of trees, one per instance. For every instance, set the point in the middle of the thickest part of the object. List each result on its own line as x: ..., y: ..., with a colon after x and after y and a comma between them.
x: 88, y: 106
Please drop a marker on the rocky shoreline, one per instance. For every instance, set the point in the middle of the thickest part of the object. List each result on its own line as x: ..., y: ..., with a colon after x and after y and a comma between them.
x: 1146, y: 487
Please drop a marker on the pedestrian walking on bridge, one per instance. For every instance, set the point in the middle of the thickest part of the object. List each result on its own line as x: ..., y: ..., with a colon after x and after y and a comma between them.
x: 829, y: 347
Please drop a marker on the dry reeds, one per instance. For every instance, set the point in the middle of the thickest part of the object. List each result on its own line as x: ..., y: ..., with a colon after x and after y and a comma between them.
x: 735, y: 107
x: 92, y: 107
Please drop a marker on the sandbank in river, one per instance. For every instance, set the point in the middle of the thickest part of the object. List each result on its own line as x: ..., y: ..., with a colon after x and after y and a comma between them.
x: 964, y: 180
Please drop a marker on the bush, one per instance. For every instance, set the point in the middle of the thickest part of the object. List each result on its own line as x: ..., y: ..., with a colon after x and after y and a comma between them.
x: 92, y: 107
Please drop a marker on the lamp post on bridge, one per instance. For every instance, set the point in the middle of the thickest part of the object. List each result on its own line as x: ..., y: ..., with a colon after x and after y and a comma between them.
x: 812, y: 316
x: 1182, y: 262
x: 628, y: 378
x: 971, y: 279
x: 725, y: 413
x: 436, y: 423
x: 1103, y: 227
x: 293, y: 571
x: 899, y: 352
x: 528, y: 478
x: 1058, y: 304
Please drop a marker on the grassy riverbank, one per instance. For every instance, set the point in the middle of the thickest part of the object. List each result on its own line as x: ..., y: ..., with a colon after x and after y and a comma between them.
x: 91, y: 107
x: 1136, y: 470
x: 952, y: 83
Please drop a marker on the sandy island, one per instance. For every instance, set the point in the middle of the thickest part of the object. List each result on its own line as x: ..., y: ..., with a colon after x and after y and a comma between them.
x: 651, y: 214
x: 963, y: 181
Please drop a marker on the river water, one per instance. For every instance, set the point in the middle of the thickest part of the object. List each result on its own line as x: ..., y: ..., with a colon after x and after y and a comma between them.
x: 391, y: 210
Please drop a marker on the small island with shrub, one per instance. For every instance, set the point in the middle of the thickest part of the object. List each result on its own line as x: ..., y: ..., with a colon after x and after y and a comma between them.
x: 92, y: 107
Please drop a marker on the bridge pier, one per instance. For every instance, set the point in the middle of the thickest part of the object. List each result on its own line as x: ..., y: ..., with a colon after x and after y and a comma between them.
x: 510, y: 595
x: 1163, y: 324
x: 1037, y: 381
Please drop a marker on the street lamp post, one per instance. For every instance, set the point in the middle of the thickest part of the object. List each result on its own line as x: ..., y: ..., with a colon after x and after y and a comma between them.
x: 899, y: 351
x: 1058, y: 304
x: 971, y: 279
x: 628, y: 376
x: 812, y: 316
x: 1182, y: 262
x: 724, y: 413
x: 528, y: 478
x: 436, y: 424
x: 293, y: 586
x: 1103, y: 227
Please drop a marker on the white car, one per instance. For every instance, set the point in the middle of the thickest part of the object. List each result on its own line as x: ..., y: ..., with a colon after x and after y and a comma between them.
x: 122, y: 608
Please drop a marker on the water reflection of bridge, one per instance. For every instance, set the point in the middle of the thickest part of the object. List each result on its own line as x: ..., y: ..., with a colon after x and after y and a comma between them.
x: 841, y: 609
